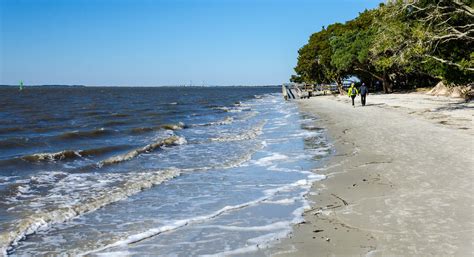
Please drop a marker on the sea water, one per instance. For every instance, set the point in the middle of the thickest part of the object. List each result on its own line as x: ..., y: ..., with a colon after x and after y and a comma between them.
x: 164, y: 171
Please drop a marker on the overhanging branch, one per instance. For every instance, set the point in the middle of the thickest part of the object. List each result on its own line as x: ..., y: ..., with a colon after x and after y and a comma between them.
x: 449, y: 63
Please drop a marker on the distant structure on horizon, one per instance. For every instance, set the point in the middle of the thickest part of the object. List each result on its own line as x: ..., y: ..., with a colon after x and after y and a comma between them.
x: 23, y: 85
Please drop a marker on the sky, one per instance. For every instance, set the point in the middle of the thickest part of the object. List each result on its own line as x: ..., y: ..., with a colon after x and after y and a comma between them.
x: 160, y: 42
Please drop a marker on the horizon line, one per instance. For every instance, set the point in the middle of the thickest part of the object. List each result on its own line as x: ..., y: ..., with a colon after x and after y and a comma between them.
x: 141, y: 86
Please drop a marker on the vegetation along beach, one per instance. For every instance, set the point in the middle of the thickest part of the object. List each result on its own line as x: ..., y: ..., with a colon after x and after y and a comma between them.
x: 236, y: 128
x: 400, y: 182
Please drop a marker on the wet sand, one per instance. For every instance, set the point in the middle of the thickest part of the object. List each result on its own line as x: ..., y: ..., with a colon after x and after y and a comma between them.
x: 399, y: 184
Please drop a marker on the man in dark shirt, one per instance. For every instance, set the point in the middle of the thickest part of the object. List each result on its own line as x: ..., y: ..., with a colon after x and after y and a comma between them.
x: 363, y: 93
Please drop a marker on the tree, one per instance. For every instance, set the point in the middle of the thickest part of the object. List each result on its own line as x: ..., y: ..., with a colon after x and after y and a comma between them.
x: 351, y: 47
x: 296, y: 79
x: 425, y: 37
x: 416, y: 41
x: 314, y: 60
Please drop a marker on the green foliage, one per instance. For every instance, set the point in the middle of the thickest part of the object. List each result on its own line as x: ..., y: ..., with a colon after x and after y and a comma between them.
x: 413, y: 41
x: 351, y: 46
x: 314, y: 60
x: 296, y: 79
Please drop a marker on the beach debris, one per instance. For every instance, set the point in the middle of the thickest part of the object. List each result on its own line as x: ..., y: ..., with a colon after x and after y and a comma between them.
x: 343, y: 201
x: 318, y: 230
x: 328, y: 239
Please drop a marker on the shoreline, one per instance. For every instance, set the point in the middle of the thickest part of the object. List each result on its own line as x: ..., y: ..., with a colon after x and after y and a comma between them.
x: 399, y: 183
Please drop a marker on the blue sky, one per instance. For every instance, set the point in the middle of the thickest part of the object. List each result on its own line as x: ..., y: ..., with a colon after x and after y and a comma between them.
x: 160, y: 42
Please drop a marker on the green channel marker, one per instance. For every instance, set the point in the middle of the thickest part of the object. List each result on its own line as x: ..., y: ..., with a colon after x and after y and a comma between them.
x: 21, y: 85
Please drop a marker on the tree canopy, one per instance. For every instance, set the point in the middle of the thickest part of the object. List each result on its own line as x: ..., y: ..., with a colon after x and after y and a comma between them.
x: 413, y: 43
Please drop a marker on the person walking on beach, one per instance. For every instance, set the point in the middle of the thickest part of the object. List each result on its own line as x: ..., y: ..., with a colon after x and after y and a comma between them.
x: 352, y: 92
x: 363, y: 93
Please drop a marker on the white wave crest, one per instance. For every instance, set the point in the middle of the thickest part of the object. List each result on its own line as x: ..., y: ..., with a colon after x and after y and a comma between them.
x: 184, y: 222
x: 66, y: 154
x: 247, y: 135
x: 77, y: 194
x: 267, y: 161
x: 226, y: 121
x: 172, y: 140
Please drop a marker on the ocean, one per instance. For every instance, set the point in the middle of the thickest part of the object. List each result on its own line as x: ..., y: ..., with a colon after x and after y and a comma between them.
x: 174, y: 171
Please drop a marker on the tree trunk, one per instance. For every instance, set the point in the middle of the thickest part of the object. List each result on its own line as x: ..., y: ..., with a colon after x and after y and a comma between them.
x: 387, y: 84
x: 339, y: 86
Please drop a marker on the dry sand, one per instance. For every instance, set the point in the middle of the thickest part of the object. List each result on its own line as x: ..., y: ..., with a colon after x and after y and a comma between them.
x: 399, y: 184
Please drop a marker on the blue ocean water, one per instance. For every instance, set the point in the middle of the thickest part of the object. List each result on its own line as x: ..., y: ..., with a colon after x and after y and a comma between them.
x: 173, y: 171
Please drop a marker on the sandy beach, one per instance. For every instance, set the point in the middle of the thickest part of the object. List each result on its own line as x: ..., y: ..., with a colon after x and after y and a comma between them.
x: 400, y: 182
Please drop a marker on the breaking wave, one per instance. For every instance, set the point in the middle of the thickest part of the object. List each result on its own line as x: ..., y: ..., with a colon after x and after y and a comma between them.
x: 62, y: 155
x: 89, y: 196
x: 173, y: 225
x: 70, y: 154
x: 178, y: 126
x: 143, y: 130
x: 247, y: 135
x: 237, y: 108
x: 226, y: 121
x: 172, y: 140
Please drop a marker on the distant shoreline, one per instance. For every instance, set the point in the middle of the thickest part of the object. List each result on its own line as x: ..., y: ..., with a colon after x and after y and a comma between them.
x: 8, y: 86
x: 84, y: 86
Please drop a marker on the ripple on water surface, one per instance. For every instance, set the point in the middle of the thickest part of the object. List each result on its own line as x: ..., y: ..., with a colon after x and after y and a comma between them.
x: 230, y: 180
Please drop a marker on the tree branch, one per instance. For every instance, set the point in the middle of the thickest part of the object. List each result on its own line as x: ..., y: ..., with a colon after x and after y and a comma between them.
x: 468, y: 10
x: 449, y: 63
x: 366, y: 71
